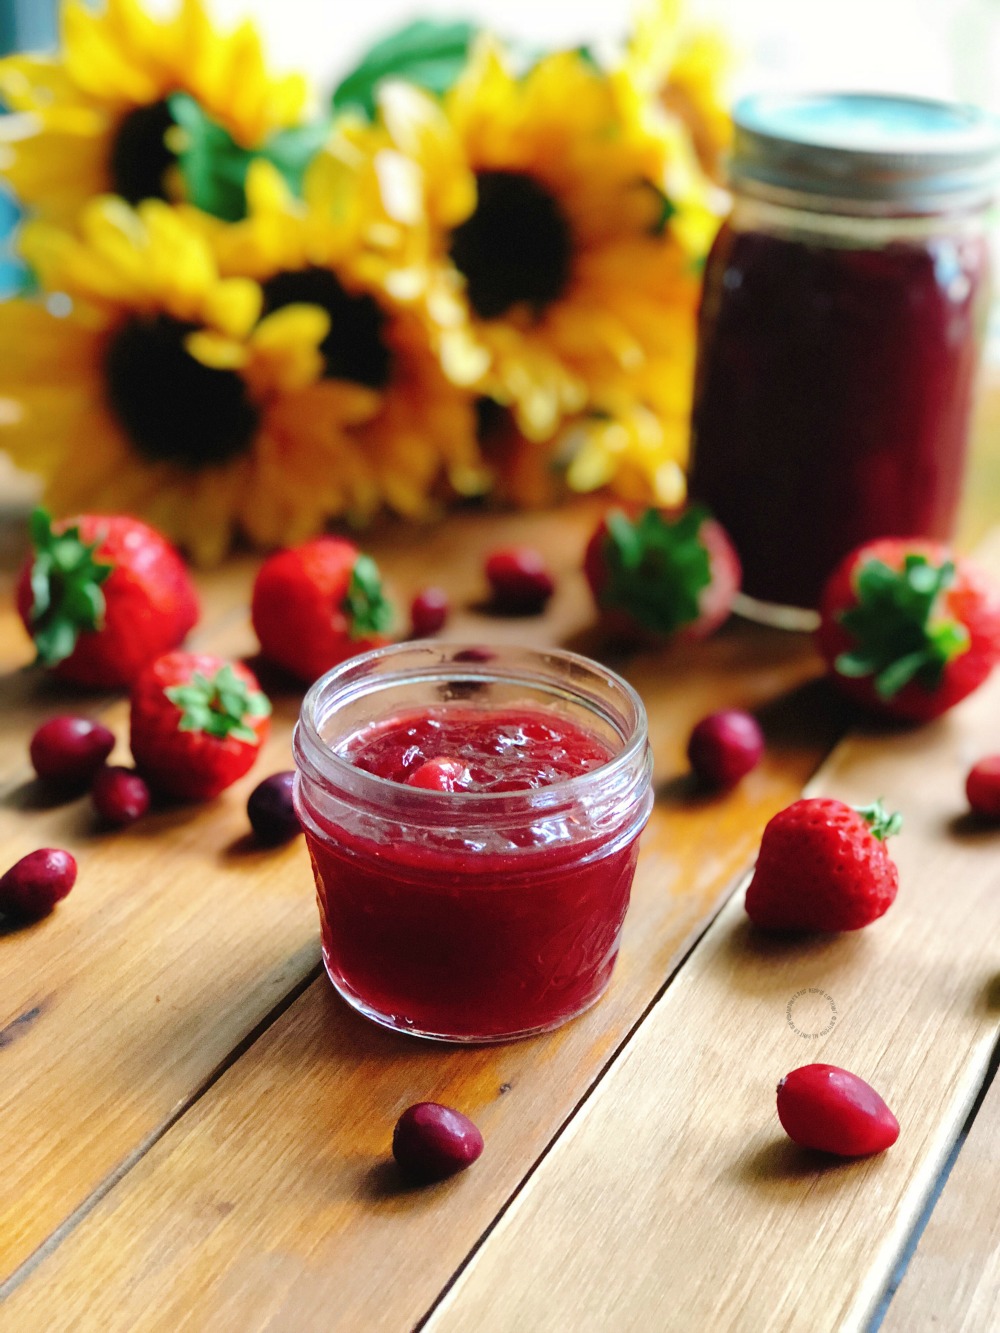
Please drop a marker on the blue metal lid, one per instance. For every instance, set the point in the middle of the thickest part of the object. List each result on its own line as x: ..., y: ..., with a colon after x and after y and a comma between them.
x: 865, y: 146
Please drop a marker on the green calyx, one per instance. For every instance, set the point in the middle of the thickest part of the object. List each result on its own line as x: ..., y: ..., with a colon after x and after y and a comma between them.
x: 219, y: 705
x: 656, y: 567
x: 365, y: 605
x: 897, y: 638
x: 66, y: 588
x: 881, y: 823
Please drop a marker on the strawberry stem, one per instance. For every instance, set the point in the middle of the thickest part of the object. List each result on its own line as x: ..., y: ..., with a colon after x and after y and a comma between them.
x: 656, y: 567
x: 883, y: 825
x: 219, y: 705
x: 367, y: 608
x: 897, y: 638
x: 66, y: 588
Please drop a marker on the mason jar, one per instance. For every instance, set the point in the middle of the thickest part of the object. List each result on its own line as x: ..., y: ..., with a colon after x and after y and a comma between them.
x: 472, y: 915
x: 842, y: 320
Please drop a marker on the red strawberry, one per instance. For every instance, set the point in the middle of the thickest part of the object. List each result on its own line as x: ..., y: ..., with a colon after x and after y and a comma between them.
x: 198, y: 723
x: 317, y: 604
x: 821, y: 1106
x: 908, y: 628
x: 661, y: 575
x: 823, y: 866
x: 102, y: 596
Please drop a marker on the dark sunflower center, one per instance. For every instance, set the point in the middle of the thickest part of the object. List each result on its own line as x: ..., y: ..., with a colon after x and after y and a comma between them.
x: 515, y: 247
x: 140, y: 157
x: 355, y: 348
x: 174, y: 409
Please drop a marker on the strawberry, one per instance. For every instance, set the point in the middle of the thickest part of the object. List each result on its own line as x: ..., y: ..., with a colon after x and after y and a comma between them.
x: 661, y: 575
x: 197, y: 724
x: 909, y: 629
x: 316, y: 604
x: 823, y: 865
x: 835, y: 1111
x: 102, y: 596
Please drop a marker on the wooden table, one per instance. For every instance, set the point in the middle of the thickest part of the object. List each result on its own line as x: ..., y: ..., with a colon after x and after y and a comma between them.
x: 195, y: 1130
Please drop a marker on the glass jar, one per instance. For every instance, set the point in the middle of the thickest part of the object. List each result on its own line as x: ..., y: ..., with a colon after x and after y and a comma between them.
x: 842, y: 319
x: 465, y: 915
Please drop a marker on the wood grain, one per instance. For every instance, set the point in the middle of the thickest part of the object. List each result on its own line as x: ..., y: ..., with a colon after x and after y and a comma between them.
x: 673, y: 1200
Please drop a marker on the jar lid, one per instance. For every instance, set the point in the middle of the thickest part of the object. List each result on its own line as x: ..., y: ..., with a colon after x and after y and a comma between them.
x: 865, y: 146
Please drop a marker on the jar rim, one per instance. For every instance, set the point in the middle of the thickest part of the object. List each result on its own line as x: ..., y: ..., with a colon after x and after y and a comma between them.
x: 476, y: 662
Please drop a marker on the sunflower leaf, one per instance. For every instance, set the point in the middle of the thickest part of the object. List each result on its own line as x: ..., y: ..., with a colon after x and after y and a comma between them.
x: 428, y: 53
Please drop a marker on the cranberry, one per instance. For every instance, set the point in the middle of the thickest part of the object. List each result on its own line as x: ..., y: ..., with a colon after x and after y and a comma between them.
x: 429, y: 611
x: 431, y: 1142
x: 821, y: 1106
x: 440, y: 775
x: 724, y: 747
x: 70, y: 750
x: 33, y: 885
x: 520, y: 580
x: 982, y: 787
x: 120, y: 796
x: 271, y: 810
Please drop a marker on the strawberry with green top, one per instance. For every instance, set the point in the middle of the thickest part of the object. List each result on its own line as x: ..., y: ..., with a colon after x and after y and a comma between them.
x: 908, y: 628
x: 657, y: 575
x: 316, y: 604
x: 197, y: 724
x: 102, y: 596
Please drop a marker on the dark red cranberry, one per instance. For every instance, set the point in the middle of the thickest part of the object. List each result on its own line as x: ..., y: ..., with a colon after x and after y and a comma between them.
x: 429, y: 611
x: 271, y: 811
x: 440, y: 775
x: 982, y: 787
x: 120, y: 796
x: 33, y: 885
x: 724, y: 747
x: 431, y: 1142
x: 519, y: 579
x: 68, y: 751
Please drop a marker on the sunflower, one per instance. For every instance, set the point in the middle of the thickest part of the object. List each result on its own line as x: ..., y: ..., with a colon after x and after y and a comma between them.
x: 316, y: 251
x: 159, y: 390
x: 96, y: 118
x: 558, y: 228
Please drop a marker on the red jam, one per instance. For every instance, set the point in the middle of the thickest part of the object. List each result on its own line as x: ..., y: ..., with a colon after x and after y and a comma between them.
x: 504, y: 925
x: 833, y: 397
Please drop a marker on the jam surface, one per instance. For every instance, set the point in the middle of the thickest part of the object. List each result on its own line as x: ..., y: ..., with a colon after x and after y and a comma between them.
x: 510, y: 749
x: 469, y: 933
x: 833, y: 396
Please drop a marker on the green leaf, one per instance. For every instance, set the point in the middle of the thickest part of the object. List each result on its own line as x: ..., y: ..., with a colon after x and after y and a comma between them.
x: 898, y: 632
x: 657, y: 567
x: 365, y: 605
x: 214, y: 167
x: 883, y: 824
x: 66, y: 580
x: 666, y: 209
x: 426, y: 52
x: 219, y: 705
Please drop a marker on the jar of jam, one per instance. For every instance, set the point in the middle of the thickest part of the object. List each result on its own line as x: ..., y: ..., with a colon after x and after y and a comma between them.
x: 473, y: 818
x: 842, y: 319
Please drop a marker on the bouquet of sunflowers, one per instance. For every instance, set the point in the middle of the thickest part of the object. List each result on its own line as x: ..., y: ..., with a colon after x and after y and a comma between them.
x: 477, y: 273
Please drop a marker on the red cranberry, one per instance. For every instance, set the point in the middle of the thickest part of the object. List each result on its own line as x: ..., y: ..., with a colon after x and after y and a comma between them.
x: 70, y: 750
x: 271, y: 810
x: 520, y: 580
x: 440, y: 775
x: 33, y: 885
x: 120, y: 796
x: 431, y: 1142
x: 982, y: 787
x: 724, y: 747
x: 821, y: 1106
x: 429, y: 611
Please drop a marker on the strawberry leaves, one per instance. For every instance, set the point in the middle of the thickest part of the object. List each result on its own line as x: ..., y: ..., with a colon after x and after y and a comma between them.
x: 881, y: 823
x: 365, y: 605
x: 219, y: 705
x: 66, y: 584
x: 656, y: 567
x: 897, y: 638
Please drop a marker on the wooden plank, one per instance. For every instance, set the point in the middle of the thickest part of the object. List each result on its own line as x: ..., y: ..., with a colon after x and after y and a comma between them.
x: 953, y: 1280
x: 673, y: 1200
x: 270, y: 1203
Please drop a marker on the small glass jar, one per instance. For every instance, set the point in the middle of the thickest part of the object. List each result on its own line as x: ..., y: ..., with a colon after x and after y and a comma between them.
x: 842, y: 319
x: 471, y: 916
